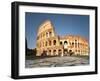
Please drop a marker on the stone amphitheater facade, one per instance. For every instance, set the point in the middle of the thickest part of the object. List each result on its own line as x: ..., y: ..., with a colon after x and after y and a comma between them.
x: 50, y: 44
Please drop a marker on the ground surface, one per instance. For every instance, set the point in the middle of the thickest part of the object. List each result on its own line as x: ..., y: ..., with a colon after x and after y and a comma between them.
x: 57, y: 62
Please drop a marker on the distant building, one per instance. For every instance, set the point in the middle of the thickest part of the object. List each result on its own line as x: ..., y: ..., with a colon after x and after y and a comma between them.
x: 50, y: 44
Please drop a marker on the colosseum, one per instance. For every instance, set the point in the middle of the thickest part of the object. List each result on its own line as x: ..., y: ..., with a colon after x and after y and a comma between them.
x: 48, y: 43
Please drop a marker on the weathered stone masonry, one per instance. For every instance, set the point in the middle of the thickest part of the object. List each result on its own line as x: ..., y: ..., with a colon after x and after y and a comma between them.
x: 50, y: 44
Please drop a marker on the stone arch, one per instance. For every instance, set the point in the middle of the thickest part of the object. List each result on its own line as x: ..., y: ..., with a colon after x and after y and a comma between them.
x: 50, y: 42
x: 49, y: 52
x: 65, y: 42
x: 72, y: 43
x: 54, y: 52
x: 46, y: 43
x: 47, y: 34
x: 75, y: 40
x: 54, y: 42
x: 70, y: 52
x: 60, y: 42
x: 50, y: 33
x: 65, y: 51
x: 59, y: 51
x: 44, y: 53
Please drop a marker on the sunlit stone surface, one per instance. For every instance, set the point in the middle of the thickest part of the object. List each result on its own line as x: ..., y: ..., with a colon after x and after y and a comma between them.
x: 49, y: 43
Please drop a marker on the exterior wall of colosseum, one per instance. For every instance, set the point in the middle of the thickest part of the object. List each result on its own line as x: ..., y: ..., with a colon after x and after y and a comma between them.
x: 50, y: 44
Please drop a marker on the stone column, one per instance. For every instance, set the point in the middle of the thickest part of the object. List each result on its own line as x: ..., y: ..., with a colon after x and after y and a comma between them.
x: 62, y: 54
x: 51, y: 53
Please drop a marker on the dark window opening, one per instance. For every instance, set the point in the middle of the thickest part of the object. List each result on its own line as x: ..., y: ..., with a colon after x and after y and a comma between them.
x: 54, y: 42
x: 60, y: 43
x: 65, y: 42
x: 50, y: 43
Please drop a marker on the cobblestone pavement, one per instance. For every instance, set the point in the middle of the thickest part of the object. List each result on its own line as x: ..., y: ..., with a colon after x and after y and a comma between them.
x: 56, y: 62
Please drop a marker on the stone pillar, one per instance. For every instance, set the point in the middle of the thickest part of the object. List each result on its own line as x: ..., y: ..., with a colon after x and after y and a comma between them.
x: 47, y: 52
x: 51, y: 53
x: 62, y: 54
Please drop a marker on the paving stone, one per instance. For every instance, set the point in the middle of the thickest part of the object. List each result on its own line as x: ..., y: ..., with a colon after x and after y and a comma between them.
x: 56, y: 62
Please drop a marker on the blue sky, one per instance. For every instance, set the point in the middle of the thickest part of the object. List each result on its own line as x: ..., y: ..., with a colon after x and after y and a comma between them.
x: 64, y: 24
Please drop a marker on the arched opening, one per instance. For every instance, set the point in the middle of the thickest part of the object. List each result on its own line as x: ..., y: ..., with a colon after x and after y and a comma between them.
x: 65, y: 42
x: 75, y: 40
x: 54, y: 52
x: 54, y: 42
x: 59, y: 52
x: 47, y: 35
x: 65, y: 51
x: 50, y: 34
x: 78, y: 51
x: 60, y: 42
x: 70, y: 52
x: 49, y: 52
x: 46, y: 43
x: 72, y: 43
x: 75, y: 44
x: 49, y: 43
x: 44, y: 53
